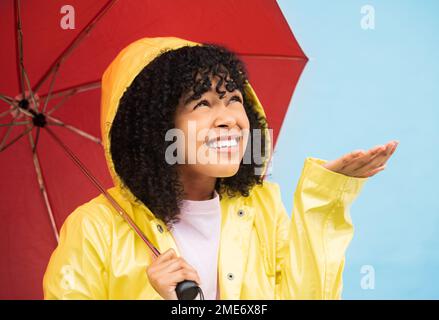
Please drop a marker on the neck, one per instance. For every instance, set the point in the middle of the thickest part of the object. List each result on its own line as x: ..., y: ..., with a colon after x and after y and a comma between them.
x: 197, y: 187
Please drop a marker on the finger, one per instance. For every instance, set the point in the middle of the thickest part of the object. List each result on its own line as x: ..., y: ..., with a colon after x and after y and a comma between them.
x: 347, y: 159
x: 164, y: 272
x: 172, y: 265
x: 186, y: 265
x: 382, y: 159
x: 167, y: 286
x: 167, y: 255
x: 189, y: 268
x: 376, y: 156
x: 372, y: 172
x: 363, y: 160
x: 184, y: 274
x: 392, y: 150
x: 158, y: 261
x: 379, y: 160
x: 176, y: 265
x: 339, y: 164
x: 162, y: 262
x: 376, y: 160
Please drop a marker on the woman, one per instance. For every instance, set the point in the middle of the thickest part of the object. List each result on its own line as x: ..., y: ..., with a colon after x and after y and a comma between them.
x: 214, y: 219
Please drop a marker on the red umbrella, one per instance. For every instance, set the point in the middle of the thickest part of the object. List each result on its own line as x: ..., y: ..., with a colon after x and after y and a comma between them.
x: 51, y: 74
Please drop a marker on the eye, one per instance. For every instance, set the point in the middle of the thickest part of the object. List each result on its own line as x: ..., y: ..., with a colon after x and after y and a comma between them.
x: 236, y: 98
x: 203, y: 102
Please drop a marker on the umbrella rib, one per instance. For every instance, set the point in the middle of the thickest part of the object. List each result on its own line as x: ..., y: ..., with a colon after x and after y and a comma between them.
x: 35, y: 107
x: 74, y: 129
x: 74, y: 89
x: 8, y: 132
x: 60, y: 104
x: 52, y: 82
x: 42, y: 186
x: 67, y: 93
x: 3, y: 148
x: 6, y: 99
x: 5, y: 113
x: 34, y: 148
x: 25, y: 112
x: 79, y: 38
x: 14, y: 124
x: 22, y: 74
x: 19, y: 43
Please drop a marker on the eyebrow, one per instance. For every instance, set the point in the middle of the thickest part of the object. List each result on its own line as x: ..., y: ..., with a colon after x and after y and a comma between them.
x: 189, y: 99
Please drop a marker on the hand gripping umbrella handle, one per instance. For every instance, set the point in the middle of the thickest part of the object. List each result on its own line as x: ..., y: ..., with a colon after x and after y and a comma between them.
x: 186, y: 290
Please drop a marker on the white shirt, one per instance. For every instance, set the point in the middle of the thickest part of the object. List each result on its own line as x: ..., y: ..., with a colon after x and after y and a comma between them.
x: 197, y: 235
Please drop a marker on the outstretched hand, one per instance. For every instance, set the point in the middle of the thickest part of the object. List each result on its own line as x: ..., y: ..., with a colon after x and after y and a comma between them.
x: 363, y: 164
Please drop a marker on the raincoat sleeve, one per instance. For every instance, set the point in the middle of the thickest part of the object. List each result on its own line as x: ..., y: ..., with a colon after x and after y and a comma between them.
x: 77, y: 267
x: 311, y: 246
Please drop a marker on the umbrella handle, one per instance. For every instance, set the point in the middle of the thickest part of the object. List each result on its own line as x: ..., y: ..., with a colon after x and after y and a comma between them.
x: 187, y: 289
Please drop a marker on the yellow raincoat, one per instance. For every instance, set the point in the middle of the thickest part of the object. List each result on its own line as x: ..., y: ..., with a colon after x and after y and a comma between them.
x: 263, y: 253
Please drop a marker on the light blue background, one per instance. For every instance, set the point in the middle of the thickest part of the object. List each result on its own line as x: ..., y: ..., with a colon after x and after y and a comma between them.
x: 359, y: 89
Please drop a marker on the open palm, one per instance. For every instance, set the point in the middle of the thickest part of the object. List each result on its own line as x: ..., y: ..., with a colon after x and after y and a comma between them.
x: 363, y: 164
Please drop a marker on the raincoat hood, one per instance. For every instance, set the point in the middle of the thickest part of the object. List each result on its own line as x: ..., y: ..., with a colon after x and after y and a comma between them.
x: 120, y: 74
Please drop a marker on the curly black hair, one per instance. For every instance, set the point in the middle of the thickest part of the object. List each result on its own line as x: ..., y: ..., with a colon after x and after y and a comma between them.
x: 146, y: 112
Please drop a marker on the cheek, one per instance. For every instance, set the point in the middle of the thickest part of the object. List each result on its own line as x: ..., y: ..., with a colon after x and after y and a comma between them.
x: 194, y: 130
x: 243, y: 120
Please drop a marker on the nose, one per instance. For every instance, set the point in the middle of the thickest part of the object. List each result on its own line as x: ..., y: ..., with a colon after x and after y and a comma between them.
x: 225, y: 121
x: 225, y: 118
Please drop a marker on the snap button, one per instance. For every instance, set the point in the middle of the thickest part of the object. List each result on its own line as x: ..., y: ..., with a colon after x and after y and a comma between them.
x: 160, y: 228
x: 230, y: 276
x: 241, y: 212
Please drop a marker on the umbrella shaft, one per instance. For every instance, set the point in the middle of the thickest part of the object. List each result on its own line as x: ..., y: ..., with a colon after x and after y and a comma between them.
x: 114, y: 203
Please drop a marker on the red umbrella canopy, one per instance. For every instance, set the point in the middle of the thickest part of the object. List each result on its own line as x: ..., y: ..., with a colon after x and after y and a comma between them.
x: 54, y: 56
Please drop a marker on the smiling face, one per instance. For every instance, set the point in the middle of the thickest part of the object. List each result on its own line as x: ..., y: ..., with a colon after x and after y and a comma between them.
x: 216, y: 129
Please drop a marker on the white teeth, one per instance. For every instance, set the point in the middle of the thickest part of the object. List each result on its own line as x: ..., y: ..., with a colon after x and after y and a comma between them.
x: 223, y: 143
